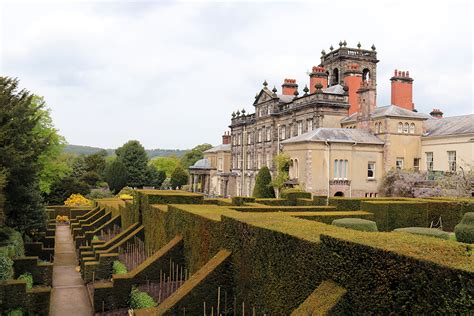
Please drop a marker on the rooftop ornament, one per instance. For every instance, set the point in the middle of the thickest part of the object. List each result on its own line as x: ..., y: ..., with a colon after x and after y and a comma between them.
x: 305, y: 90
x: 274, y: 90
x: 243, y: 111
x: 344, y: 43
x: 340, y: 43
x: 319, y: 87
x: 238, y: 113
x: 331, y: 48
x: 323, y: 52
x: 373, y: 47
x: 233, y: 115
x: 359, y: 45
x: 296, y: 93
x: 265, y: 83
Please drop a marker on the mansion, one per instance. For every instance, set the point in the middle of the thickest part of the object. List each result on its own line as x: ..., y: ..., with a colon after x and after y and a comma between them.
x: 339, y: 141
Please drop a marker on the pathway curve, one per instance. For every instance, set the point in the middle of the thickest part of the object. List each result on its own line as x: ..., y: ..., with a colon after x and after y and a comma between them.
x: 69, y: 294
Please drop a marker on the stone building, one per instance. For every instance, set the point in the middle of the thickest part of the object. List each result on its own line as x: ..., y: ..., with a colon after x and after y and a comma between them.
x: 338, y: 140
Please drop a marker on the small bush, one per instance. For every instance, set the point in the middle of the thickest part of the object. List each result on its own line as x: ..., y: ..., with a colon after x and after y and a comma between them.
x: 139, y: 299
x: 263, y: 187
x: 95, y: 237
x: 119, y: 268
x: 465, y: 229
x: 6, y: 267
x: 16, y: 312
x: 28, y: 278
x: 432, y: 232
x: 356, y: 224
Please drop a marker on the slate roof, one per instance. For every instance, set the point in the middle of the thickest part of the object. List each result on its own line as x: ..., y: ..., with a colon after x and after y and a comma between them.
x: 221, y: 147
x: 391, y: 111
x: 201, y: 164
x: 454, y: 125
x: 342, y: 135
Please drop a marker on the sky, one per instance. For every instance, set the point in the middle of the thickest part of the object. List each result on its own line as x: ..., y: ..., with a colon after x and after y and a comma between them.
x: 170, y: 73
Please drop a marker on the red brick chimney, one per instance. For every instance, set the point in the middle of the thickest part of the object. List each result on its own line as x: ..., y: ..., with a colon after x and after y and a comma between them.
x: 436, y: 113
x: 353, y: 79
x: 402, y: 90
x: 289, y: 86
x: 226, y: 138
x: 318, y: 75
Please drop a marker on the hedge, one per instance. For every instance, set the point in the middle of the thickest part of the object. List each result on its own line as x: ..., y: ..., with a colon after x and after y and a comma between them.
x: 327, y: 299
x: 28, y: 278
x: 264, y: 208
x: 274, y: 202
x: 329, y: 217
x: 118, y: 267
x: 465, y: 230
x: 293, y: 194
x: 169, y: 197
x: 139, y: 299
x: 356, y: 224
x: 241, y: 200
x: 431, y: 232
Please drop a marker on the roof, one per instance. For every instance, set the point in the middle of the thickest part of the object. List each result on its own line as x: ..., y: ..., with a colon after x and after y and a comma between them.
x: 391, y: 111
x: 221, y: 147
x: 201, y: 164
x: 285, y: 98
x: 343, y: 135
x: 454, y: 125
x: 336, y: 89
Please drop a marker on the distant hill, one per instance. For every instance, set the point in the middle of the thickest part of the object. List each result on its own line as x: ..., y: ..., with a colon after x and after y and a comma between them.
x: 88, y: 150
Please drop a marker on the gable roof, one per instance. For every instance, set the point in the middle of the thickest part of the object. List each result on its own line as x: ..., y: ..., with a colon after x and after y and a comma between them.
x: 264, y: 91
x: 342, y: 135
x: 389, y: 111
x: 221, y: 147
x: 454, y: 125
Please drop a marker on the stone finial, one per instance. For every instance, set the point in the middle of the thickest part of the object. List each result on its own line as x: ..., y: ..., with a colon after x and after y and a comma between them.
x: 331, y: 48
x: 305, y: 90
x: 265, y: 83
x: 296, y: 93
x: 373, y: 47
x: 345, y: 88
x: 359, y: 45
x: 340, y: 43
x: 243, y: 111
x: 233, y: 114
x: 237, y: 113
x: 323, y: 52
x: 274, y: 90
x: 319, y: 87
x: 344, y: 43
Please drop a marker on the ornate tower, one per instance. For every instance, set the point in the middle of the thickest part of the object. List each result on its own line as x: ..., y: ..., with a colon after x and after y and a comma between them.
x: 350, y: 67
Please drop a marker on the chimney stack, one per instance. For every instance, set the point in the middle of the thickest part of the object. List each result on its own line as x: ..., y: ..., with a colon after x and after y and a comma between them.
x: 318, y: 75
x: 436, y: 113
x: 353, y: 80
x: 402, y: 90
x: 226, y: 138
x: 366, y: 96
x: 289, y: 86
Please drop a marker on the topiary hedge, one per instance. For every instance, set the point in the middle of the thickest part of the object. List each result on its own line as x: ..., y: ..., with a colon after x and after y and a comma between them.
x: 431, y: 232
x: 356, y: 224
x: 293, y: 194
x: 118, y: 267
x: 465, y: 229
x: 6, y: 267
x: 241, y: 200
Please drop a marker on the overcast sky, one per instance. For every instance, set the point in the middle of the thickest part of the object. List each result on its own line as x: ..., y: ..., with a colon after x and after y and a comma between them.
x: 171, y: 73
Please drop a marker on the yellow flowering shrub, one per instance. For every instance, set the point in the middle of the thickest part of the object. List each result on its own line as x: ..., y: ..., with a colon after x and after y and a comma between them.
x: 77, y: 200
x: 125, y: 197
x: 60, y: 218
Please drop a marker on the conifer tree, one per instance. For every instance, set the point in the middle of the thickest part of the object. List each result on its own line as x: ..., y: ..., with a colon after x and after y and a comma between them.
x: 263, y: 187
x: 116, y: 176
x: 179, y: 177
x: 133, y: 156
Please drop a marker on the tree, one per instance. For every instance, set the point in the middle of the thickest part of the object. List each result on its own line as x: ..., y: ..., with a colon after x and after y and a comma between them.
x: 91, y: 178
x: 401, y: 183
x: 133, y: 156
x: 96, y: 162
x: 179, y: 177
x: 282, y: 163
x: 21, y: 145
x: 263, y: 187
x: 194, y: 155
x: 116, y: 175
x: 167, y: 164
x: 63, y: 188
x: 52, y: 166
x: 155, y: 177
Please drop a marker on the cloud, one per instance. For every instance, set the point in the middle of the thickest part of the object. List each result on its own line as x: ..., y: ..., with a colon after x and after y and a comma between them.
x: 170, y: 73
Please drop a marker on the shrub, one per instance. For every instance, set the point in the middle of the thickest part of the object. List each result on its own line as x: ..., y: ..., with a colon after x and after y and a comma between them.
x: 263, y: 187
x: 16, y: 312
x: 432, y: 232
x: 465, y: 229
x: 119, y: 268
x: 77, y: 200
x: 346, y: 204
x: 179, y: 177
x: 6, y: 267
x: 11, y: 242
x: 241, y: 200
x: 139, y: 299
x: 28, y: 278
x: 356, y: 224
x: 293, y: 194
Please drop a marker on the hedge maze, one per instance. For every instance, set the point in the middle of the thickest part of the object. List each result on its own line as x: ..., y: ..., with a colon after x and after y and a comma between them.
x: 283, y: 256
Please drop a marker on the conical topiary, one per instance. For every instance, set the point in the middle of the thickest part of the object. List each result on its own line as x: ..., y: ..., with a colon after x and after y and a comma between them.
x: 263, y: 188
x: 465, y: 229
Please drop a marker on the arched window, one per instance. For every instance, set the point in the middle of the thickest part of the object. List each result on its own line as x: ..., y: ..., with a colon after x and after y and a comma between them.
x: 405, y: 128
x: 366, y: 74
x: 335, y: 77
x: 412, y: 128
x: 283, y: 132
x: 400, y: 127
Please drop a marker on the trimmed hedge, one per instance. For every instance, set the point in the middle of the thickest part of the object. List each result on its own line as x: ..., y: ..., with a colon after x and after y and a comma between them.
x: 139, y: 299
x: 329, y: 217
x: 320, y: 200
x: 274, y: 202
x: 241, y: 200
x: 169, y: 197
x: 293, y: 194
x: 356, y: 224
x: 465, y: 230
x: 431, y: 232
x: 283, y: 208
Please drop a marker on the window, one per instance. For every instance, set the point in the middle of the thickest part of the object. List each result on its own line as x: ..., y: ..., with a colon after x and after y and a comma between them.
x: 340, y: 169
x: 249, y: 161
x: 283, y: 132
x: 259, y: 135
x: 239, y: 161
x: 452, y: 161
x: 296, y: 170
x: 416, y: 164
x: 259, y: 160
x: 269, y: 110
x: 429, y: 161
x: 269, y: 134
x: 310, y: 125
x: 400, y: 127
x: 405, y: 128
x: 249, y: 138
x: 220, y: 164
x: 399, y: 163
x: 300, y: 128
x: 412, y: 128
x: 371, y: 170
x: 239, y: 139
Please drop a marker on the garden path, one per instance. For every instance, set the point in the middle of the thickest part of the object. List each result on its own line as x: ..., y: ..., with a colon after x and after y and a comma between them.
x: 69, y: 294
